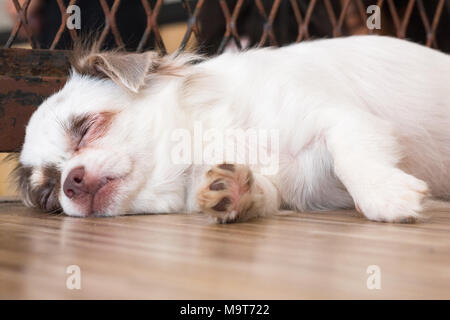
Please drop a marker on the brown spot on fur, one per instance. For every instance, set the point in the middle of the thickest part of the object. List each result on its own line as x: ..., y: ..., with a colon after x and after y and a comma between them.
x: 44, y: 195
x: 250, y: 179
x: 227, y: 166
x: 222, y: 205
x: 131, y: 70
x: 250, y: 207
x: 87, y: 67
x: 78, y: 126
x: 85, y: 128
x: 79, y: 59
x: 48, y: 192
x: 217, y: 185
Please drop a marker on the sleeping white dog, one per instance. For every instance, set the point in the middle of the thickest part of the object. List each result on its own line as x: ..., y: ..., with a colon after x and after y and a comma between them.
x: 361, y: 122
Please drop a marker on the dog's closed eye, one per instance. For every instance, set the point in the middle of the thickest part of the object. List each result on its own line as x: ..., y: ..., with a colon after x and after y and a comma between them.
x: 86, y: 128
x: 77, y: 129
x: 84, y: 131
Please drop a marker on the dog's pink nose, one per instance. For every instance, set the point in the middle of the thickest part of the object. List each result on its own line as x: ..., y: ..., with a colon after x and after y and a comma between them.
x: 74, y: 184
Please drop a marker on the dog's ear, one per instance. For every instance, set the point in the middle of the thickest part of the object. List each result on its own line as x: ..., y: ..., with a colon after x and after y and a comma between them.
x: 129, y: 70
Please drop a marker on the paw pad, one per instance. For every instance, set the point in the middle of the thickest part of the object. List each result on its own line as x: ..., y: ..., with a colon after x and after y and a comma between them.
x: 226, y: 193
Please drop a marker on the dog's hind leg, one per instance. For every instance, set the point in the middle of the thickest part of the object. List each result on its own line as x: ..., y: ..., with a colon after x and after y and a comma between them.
x: 366, y: 156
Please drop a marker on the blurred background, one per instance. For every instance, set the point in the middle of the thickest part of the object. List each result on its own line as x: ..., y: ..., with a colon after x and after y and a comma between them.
x: 5, y: 168
x: 220, y: 25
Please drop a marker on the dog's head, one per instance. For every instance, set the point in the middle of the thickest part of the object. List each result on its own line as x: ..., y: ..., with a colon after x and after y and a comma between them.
x: 87, y: 147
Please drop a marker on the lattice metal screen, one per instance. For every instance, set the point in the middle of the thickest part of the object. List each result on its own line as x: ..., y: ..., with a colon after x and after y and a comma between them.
x: 343, y: 16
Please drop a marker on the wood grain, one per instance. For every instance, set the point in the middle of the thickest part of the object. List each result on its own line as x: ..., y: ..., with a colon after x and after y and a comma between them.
x: 34, y: 63
x: 6, y: 187
x: 180, y: 256
x: 19, y: 98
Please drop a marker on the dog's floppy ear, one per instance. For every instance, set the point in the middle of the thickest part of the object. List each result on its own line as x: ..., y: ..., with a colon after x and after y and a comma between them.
x: 130, y: 70
x: 125, y: 69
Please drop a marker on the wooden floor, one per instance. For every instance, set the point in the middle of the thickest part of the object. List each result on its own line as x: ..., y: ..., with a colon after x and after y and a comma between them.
x: 291, y: 256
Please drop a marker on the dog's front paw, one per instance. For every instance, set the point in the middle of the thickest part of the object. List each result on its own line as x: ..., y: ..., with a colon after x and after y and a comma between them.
x: 398, y: 199
x: 228, y: 193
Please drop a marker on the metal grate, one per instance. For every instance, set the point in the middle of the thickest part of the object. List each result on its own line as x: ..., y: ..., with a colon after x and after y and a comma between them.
x: 339, y: 13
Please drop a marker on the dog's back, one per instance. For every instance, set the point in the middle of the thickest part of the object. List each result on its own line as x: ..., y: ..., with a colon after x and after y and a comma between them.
x: 403, y: 83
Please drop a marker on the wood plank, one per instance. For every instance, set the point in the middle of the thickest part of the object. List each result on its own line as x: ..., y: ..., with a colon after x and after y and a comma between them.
x: 34, y: 63
x: 27, y: 77
x: 19, y: 98
x: 291, y: 255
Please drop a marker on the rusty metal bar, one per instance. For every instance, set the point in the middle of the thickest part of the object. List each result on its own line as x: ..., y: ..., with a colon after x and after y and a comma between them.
x: 110, y: 23
x: 431, y: 35
x: 22, y: 22
x: 331, y: 14
x: 337, y: 18
x: 338, y: 28
x: 303, y: 24
x: 268, y: 25
x: 152, y: 25
x: 195, y: 27
x: 231, y: 25
x: 192, y: 20
x: 430, y: 29
x: 406, y: 18
x: 62, y: 27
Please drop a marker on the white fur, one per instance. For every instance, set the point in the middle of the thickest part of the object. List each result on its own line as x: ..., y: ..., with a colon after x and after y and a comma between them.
x: 361, y: 120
